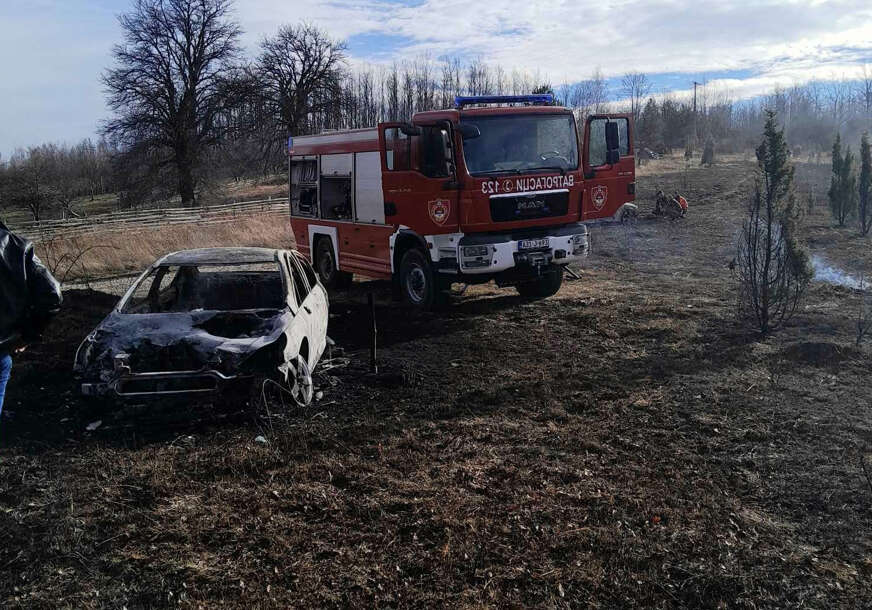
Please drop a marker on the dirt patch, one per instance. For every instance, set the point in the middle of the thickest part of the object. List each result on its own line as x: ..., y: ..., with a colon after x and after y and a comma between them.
x: 820, y: 353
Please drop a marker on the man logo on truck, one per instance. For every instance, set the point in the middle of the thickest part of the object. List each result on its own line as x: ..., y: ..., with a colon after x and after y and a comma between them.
x: 439, y: 210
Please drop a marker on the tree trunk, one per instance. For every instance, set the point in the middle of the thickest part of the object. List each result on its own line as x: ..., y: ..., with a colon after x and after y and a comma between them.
x: 186, y: 180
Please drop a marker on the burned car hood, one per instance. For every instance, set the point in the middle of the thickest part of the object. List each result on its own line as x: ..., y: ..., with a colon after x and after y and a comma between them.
x: 186, y: 341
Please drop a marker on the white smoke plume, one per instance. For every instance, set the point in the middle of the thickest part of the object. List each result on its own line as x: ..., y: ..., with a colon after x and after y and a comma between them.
x: 824, y: 272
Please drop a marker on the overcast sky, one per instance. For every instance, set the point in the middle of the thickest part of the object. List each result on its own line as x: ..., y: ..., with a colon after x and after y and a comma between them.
x: 54, y: 51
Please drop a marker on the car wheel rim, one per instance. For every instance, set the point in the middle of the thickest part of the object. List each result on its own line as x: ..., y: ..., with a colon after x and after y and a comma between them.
x: 302, y: 388
x: 416, y: 284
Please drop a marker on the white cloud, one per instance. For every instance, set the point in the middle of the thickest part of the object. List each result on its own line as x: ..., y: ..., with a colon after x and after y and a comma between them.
x: 54, y: 52
x: 567, y: 40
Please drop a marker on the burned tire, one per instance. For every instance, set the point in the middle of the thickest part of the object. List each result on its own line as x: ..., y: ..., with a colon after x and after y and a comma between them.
x: 327, y: 268
x: 270, y: 397
x: 545, y: 286
x: 300, y: 382
x: 417, y: 280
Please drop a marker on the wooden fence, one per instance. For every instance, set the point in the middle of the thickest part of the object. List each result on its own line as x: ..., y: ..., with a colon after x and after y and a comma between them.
x: 130, y: 220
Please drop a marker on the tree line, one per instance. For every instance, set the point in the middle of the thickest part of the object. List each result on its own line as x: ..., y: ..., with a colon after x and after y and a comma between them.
x: 51, y: 177
x: 190, y: 110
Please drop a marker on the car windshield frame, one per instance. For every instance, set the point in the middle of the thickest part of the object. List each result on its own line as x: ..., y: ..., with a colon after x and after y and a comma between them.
x: 499, y: 150
x: 127, y: 306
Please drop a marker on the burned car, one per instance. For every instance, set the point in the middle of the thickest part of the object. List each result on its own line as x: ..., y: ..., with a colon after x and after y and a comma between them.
x: 200, y: 322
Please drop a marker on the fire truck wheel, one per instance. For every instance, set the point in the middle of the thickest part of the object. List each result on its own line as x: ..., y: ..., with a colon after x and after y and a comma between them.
x: 547, y: 285
x: 325, y: 264
x: 417, y: 280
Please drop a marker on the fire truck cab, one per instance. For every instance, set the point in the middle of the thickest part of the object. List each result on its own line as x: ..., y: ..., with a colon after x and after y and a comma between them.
x: 497, y: 188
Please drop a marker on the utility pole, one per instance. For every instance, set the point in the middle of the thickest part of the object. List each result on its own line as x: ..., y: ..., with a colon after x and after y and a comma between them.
x: 692, y: 143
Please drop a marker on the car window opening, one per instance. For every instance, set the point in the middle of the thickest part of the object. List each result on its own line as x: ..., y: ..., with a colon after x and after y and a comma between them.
x: 185, y: 288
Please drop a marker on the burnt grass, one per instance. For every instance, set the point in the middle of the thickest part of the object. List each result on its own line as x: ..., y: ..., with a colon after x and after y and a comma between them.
x: 627, y: 443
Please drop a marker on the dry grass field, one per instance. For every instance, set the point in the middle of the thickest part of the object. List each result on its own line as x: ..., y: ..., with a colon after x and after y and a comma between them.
x: 94, y: 256
x: 626, y: 443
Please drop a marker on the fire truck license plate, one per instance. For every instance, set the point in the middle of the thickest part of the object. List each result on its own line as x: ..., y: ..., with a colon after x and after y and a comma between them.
x: 532, y: 244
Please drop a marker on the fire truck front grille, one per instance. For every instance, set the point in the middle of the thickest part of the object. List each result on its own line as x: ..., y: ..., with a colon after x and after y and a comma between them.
x: 529, y: 205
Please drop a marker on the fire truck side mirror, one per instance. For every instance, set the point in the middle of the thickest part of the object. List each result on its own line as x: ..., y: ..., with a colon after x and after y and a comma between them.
x: 410, y: 130
x: 468, y: 132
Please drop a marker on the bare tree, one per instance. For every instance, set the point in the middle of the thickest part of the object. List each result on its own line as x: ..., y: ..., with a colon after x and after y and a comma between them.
x: 588, y: 96
x: 407, y: 103
x: 635, y: 87
x: 450, y: 83
x: 479, y: 80
x: 393, y: 94
x: 866, y: 92
x: 68, y: 182
x: 425, y: 86
x: 28, y: 183
x: 773, y: 269
x: 166, y: 88
x: 299, y: 72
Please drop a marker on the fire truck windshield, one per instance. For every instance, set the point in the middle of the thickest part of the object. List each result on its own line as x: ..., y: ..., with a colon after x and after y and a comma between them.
x: 516, y: 143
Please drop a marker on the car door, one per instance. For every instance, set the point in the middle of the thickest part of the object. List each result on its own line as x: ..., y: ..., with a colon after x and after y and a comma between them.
x: 312, y: 312
x: 301, y: 326
x: 607, y: 185
x: 319, y: 308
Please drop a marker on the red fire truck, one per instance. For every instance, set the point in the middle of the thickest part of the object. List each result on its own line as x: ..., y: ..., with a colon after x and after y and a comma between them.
x: 497, y: 188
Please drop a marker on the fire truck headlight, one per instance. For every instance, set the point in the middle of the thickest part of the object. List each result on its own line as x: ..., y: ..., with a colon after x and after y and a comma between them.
x: 580, y: 243
x: 471, y: 251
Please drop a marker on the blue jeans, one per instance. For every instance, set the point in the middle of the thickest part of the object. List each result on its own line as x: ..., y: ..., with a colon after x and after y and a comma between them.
x: 5, y: 368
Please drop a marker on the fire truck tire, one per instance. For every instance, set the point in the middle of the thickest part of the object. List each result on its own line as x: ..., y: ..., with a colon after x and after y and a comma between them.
x: 547, y: 285
x: 417, y: 280
x: 325, y: 265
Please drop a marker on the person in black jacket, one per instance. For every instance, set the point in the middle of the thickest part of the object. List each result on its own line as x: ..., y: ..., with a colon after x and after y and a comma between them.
x: 29, y: 297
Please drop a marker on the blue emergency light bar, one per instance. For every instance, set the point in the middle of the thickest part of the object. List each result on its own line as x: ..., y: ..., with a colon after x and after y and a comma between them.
x: 536, y: 98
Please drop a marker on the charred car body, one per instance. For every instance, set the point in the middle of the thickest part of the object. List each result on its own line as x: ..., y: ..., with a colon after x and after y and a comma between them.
x: 198, y: 322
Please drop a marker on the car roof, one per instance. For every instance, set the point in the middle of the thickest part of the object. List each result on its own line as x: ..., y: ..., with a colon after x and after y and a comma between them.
x: 219, y: 256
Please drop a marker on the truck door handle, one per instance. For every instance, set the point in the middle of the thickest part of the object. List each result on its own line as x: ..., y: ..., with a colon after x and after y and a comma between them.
x: 307, y: 309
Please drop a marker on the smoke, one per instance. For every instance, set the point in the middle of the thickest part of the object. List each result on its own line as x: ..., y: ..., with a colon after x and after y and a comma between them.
x: 823, y: 272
